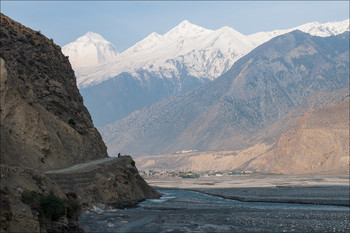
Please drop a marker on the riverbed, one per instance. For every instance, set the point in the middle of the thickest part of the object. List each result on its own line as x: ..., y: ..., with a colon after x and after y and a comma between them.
x: 181, y: 210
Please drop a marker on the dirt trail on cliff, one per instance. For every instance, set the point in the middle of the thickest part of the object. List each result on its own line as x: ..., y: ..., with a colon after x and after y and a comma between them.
x: 85, y: 167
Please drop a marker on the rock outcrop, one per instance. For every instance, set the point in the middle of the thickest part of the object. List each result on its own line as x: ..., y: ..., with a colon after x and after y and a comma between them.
x: 115, y: 181
x: 44, y: 124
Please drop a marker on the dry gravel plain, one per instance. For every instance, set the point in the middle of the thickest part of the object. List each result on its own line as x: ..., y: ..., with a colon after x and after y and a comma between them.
x: 327, y: 190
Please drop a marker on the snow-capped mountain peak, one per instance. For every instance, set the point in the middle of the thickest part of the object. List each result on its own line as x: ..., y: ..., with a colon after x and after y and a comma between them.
x: 93, y: 37
x: 90, y: 50
x: 150, y: 41
x: 313, y: 28
x: 185, y: 29
x: 160, y: 66
x: 186, y: 25
x: 153, y: 35
x: 326, y: 29
x: 201, y: 53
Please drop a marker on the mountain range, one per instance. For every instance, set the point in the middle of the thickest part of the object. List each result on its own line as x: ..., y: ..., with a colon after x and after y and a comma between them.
x: 160, y: 66
x: 262, y: 102
x: 260, y: 89
x: 316, y: 143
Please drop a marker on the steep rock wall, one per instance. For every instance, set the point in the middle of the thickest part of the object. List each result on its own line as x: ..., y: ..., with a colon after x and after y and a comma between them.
x: 44, y: 124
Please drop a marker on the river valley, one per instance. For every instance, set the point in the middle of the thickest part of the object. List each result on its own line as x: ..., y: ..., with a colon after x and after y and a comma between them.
x: 264, y: 209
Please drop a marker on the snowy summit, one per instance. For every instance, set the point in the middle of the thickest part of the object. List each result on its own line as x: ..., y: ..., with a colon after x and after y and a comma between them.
x: 90, y: 50
x: 202, y: 53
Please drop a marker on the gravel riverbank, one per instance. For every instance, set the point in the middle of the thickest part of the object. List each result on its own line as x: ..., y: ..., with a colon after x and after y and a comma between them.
x: 316, y: 195
x: 189, y: 211
x: 318, y: 190
x: 268, y: 206
x: 238, y: 219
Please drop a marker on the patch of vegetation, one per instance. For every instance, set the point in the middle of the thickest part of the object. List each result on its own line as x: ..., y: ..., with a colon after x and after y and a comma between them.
x: 73, y: 208
x: 189, y: 175
x: 71, y: 122
x: 231, y: 173
x: 217, y: 173
x: 51, y: 207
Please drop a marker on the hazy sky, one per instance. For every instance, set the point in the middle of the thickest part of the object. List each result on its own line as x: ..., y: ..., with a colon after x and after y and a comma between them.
x: 126, y: 22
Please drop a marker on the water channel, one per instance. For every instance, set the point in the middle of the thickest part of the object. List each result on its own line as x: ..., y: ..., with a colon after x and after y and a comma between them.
x: 190, y: 211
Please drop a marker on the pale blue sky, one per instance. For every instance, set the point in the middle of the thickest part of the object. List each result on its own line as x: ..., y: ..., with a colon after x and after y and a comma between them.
x: 126, y: 22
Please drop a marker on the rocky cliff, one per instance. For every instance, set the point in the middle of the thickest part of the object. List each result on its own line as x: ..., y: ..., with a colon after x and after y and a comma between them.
x: 45, y: 126
x: 44, y: 123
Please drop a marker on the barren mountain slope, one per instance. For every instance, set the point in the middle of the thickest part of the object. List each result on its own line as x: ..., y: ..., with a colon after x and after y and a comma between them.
x: 317, y: 142
x: 260, y: 89
x: 202, y: 161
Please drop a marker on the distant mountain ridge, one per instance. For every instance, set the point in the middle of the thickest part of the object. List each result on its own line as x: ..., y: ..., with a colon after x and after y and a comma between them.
x: 259, y: 89
x: 193, y: 45
x: 314, y: 143
x: 167, y: 65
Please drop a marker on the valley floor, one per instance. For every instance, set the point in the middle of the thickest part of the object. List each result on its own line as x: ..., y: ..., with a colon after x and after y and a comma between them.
x: 248, y: 203
x: 326, y: 190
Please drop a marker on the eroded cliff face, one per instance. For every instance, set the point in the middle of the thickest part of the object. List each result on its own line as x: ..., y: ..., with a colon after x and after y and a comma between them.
x: 44, y: 124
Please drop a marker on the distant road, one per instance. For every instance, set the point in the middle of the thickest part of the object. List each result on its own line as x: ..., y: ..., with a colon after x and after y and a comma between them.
x: 84, y: 167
